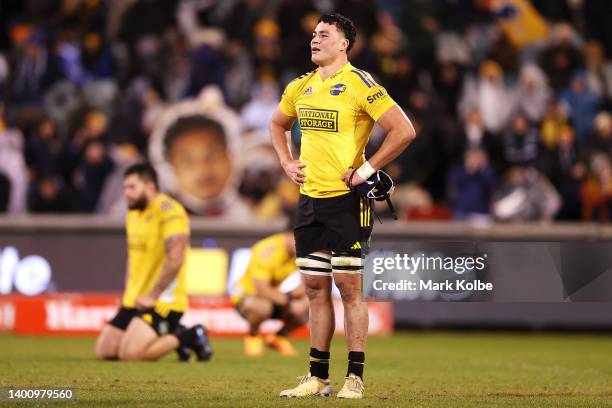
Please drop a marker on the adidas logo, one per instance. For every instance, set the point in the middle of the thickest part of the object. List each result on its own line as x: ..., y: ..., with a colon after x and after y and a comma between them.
x: 357, y: 245
x: 308, y: 91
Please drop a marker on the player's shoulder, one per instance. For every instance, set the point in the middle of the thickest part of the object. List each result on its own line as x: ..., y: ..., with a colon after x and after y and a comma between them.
x: 304, y: 77
x: 300, y: 81
x: 270, y: 247
x: 361, y: 80
x: 168, y: 205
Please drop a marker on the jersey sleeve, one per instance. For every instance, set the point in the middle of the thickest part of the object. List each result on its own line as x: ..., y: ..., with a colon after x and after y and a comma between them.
x: 263, y: 261
x: 371, y: 97
x: 259, y: 270
x: 174, y: 219
x: 287, y: 103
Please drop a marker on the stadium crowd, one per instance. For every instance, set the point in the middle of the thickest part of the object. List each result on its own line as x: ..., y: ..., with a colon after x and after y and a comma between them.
x: 511, y: 101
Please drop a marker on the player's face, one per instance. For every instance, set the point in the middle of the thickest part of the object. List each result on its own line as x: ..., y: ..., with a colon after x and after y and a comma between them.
x: 326, y: 44
x: 135, y: 192
x: 201, y: 164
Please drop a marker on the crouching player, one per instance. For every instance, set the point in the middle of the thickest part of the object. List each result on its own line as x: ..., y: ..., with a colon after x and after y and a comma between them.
x: 147, y: 326
x: 259, y: 297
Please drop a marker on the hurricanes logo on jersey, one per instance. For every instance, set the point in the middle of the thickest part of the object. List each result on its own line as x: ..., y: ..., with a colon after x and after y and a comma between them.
x: 337, y: 89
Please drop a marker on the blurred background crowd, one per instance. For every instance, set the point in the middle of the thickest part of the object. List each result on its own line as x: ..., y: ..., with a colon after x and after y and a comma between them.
x: 510, y: 98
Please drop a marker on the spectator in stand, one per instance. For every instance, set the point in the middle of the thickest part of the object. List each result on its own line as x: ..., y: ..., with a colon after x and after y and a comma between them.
x: 599, y: 72
x: 49, y: 194
x: 583, y: 105
x: 596, y: 190
x: 489, y: 94
x: 471, y: 184
x: 533, y: 93
x: 12, y: 165
x: 566, y: 173
x: 475, y: 136
x: 561, y: 57
x: 43, y: 148
x: 525, y: 195
x: 35, y: 67
x: 96, y: 58
x: 257, y: 113
x: 91, y: 173
x: 521, y: 142
x: 555, y: 119
x: 601, y: 140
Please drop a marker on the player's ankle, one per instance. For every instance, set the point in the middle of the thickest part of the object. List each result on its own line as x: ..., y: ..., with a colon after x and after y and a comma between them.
x: 356, y: 361
x: 319, y: 363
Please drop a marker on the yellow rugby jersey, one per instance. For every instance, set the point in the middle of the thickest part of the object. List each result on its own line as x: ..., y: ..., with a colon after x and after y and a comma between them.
x: 270, y: 261
x: 147, y: 232
x: 335, y: 117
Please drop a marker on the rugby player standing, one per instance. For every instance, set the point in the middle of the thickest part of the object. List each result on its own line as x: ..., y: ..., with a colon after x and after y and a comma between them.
x: 336, y: 105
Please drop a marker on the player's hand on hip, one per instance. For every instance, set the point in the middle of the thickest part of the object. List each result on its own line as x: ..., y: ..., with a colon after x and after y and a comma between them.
x: 352, y: 179
x: 145, y: 302
x: 294, y: 171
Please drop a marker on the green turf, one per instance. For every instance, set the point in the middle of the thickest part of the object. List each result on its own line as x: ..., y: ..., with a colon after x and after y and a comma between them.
x: 409, y: 369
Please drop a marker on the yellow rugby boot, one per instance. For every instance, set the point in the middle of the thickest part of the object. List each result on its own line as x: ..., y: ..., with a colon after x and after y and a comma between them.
x: 253, y: 346
x: 280, y: 344
x: 353, y: 387
x: 309, y: 386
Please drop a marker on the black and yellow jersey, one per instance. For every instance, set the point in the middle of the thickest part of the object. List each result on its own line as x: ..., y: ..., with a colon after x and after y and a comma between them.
x: 147, y: 232
x: 270, y: 261
x: 336, y: 117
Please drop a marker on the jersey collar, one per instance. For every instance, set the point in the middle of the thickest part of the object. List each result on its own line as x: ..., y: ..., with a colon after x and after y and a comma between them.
x: 336, y: 74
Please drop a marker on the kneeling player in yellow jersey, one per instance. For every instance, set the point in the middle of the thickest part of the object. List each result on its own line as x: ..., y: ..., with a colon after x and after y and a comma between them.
x: 147, y: 326
x: 259, y: 297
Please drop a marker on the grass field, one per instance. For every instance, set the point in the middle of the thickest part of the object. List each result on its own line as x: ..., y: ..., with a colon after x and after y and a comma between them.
x: 435, y: 369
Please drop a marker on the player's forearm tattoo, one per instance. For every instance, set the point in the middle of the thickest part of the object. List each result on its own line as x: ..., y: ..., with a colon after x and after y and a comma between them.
x: 175, y: 246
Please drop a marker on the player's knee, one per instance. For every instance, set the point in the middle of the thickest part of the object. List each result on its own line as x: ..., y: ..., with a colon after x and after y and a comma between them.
x: 107, y: 346
x: 255, y: 309
x: 350, y: 291
x: 299, y: 310
x: 130, y: 355
x: 104, y: 354
x: 316, y: 290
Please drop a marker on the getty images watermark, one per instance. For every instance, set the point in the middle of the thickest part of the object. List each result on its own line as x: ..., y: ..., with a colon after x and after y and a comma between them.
x: 437, y: 273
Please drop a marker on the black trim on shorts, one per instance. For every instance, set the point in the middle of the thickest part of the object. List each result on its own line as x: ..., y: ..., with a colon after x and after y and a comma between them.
x: 340, y: 224
x: 123, y: 317
x: 161, y: 325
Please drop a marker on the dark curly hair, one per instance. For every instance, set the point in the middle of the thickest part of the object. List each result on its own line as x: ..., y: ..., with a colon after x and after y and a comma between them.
x: 343, y: 24
x: 192, y: 123
x: 143, y: 170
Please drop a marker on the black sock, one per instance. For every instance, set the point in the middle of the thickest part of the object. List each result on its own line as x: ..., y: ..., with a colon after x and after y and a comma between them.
x: 319, y: 363
x: 356, y: 360
x: 282, y: 332
x: 177, y: 331
x: 186, y: 337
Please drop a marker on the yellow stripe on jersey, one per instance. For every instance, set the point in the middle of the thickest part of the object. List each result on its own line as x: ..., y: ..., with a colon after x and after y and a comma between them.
x: 336, y: 116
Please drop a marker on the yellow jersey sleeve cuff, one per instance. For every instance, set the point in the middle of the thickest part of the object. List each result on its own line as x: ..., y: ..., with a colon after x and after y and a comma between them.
x: 383, y: 108
x: 286, y: 111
